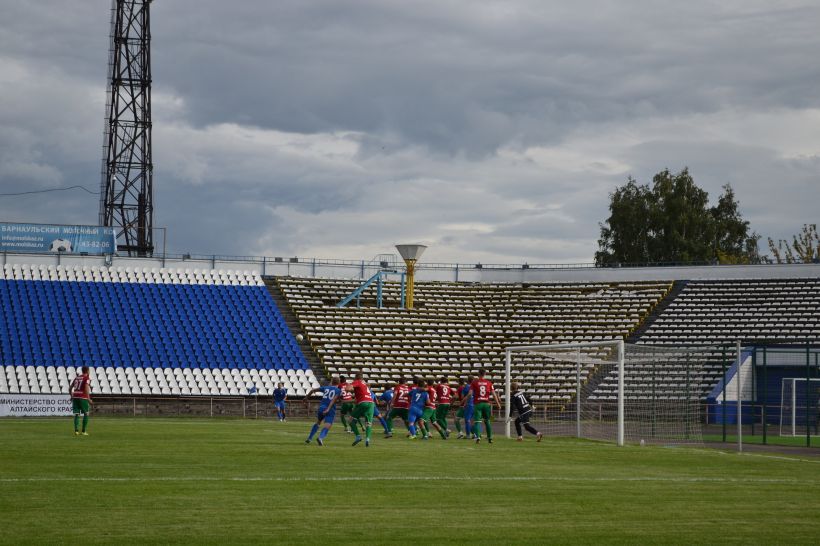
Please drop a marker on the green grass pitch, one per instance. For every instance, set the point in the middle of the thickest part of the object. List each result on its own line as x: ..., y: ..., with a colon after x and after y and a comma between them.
x: 246, y: 481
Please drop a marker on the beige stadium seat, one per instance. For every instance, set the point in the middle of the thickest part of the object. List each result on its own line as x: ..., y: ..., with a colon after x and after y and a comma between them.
x: 457, y: 327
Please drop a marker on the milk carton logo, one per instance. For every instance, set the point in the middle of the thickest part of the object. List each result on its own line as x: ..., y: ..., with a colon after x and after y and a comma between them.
x: 60, y: 245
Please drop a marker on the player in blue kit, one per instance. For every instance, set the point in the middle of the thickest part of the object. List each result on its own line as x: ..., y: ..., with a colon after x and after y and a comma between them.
x: 327, y: 410
x: 280, y: 396
x: 378, y: 415
x: 418, y: 399
x: 385, y: 399
x: 468, y: 408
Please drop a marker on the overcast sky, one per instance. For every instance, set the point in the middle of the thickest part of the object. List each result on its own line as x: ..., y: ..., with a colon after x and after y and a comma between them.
x: 491, y: 131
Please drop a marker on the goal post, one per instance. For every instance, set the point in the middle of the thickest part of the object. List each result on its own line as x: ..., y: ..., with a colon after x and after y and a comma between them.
x: 615, y: 391
x: 581, y: 355
x: 799, y: 406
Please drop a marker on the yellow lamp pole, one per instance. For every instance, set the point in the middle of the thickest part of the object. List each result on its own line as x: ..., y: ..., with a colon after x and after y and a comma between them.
x: 410, y: 254
x: 411, y: 270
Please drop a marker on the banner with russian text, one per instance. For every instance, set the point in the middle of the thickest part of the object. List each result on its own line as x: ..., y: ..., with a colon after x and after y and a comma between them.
x: 54, y: 238
x: 35, y: 405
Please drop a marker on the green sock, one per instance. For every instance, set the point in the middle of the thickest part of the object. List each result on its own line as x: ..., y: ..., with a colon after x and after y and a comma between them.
x: 488, y: 425
x: 344, y: 423
x: 353, y: 425
x: 389, y: 425
x: 77, y: 423
x: 367, y: 430
x: 85, y: 422
x: 441, y: 432
x: 477, y: 429
x: 458, y: 426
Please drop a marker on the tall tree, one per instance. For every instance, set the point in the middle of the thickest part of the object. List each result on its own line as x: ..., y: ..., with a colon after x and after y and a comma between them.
x: 625, y: 236
x: 672, y: 222
x: 733, y: 242
x: 682, y: 226
x: 804, y: 248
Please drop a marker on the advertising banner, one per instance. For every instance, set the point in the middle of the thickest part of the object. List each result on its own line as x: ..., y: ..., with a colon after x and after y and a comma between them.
x: 53, y: 238
x: 35, y: 405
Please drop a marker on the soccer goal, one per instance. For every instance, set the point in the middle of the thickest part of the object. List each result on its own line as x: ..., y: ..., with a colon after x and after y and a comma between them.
x: 799, y: 407
x: 614, y: 391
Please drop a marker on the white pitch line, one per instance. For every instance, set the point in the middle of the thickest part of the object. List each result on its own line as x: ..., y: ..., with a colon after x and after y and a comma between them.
x: 633, y: 479
x: 781, y: 458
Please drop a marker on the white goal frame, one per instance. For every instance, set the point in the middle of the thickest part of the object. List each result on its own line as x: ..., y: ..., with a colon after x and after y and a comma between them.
x: 618, y: 344
x: 791, y: 429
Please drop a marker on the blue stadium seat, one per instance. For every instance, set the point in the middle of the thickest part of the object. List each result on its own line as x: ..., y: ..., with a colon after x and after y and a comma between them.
x: 71, y: 323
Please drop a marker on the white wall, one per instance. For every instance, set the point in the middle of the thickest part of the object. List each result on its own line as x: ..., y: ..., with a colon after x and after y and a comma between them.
x: 671, y: 273
x: 744, y: 379
x: 445, y: 272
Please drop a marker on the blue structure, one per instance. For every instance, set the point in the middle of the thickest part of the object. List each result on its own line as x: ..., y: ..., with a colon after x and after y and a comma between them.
x: 142, y: 325
x: 378, y: 278
x: 783, y: 362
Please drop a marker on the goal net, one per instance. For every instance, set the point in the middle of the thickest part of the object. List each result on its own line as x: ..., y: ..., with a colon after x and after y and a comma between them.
x: 799, y: 407
x: 614, y: 391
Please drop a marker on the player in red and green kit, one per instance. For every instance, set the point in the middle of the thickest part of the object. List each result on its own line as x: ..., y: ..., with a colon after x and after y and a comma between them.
x: 81, y: 400
x: 481, y: 390
x: 445, y: 393
x: 430, y: 411
x: 363, y: 410
x: 400, y: 405
x: 347, y: 404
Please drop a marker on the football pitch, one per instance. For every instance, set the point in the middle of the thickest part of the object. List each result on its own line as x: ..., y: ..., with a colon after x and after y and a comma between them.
x: 220, y: 481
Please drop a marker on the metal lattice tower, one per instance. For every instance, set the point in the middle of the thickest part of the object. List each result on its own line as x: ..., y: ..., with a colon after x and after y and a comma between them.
x: 126, y: 190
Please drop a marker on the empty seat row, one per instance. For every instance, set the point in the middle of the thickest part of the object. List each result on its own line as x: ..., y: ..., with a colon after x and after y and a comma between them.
x: 156, y: 381
x: 129, y: 274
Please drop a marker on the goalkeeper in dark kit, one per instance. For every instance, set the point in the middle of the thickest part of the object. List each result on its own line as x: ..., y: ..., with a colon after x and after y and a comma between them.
x: 523, y: 407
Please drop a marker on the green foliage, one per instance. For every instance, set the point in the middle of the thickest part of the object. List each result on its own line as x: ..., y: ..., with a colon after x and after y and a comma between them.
x: 733, y: 242
x: 200, y: 481
x: 804, y: 248
x: 671, y: 221
x: 625, y: 237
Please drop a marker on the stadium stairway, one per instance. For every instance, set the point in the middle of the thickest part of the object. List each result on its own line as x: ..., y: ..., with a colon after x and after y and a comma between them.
x: 657, y: 310
x: 296, y: 328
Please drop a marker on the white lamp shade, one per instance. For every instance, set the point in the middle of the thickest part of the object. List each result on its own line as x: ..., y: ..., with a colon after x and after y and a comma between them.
x: 411, y: 252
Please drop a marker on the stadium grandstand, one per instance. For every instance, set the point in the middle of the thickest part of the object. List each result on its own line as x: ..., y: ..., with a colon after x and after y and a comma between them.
x: 153, y: 331
x: 211, y: 331
x: 455, y: 328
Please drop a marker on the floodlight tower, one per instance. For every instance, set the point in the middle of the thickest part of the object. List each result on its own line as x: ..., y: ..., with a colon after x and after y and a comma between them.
x: 126, y: 189
x: 410, y: 254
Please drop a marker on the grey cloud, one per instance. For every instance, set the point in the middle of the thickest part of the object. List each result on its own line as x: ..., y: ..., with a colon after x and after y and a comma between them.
x: 473, y: 80
x: 493, y: 130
